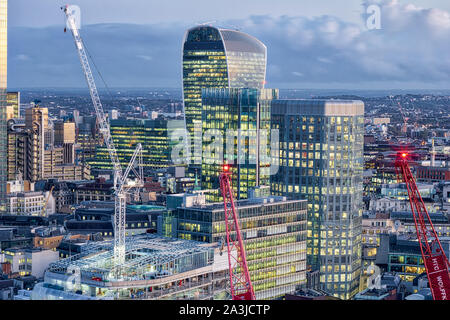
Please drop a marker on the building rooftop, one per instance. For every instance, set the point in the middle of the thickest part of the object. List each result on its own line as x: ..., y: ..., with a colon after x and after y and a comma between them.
x: 141, y: 251
x: 438, y: 217
x: 310, y: 294
x: 323, y: 107
x: 255, y: 202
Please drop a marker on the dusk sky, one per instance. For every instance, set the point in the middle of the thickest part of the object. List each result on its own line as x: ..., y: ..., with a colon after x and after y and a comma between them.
x: 311, y: 44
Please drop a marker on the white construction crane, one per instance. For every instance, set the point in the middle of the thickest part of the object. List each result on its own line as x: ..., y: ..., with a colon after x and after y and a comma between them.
x: 121, y: 183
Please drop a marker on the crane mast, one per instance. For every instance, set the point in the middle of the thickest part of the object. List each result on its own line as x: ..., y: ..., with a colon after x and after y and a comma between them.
x: 101, y: 117
x: 120, y: 187
x: 240, y: 282
x: 434, y: 258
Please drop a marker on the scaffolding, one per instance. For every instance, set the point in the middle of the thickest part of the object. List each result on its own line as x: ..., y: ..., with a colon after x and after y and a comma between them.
x: 144, y: 254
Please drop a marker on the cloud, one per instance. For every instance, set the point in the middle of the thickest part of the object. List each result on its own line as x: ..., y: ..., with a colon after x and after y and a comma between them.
x: 298, y: 74
x: 144, y: 57
x: 127, y: 55
x: 411, y: 48
x: 22, y: 57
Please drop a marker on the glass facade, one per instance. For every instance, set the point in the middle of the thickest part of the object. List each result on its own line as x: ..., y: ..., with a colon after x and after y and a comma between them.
x: 407, y: 266
x: 3, y: 84
x: 237, y: 116
x: 154, y: 135
x: 321, y: 160
x: 13, y: 105
x: 274, y: 236
x: 217, y: 58
x: 88, y: 138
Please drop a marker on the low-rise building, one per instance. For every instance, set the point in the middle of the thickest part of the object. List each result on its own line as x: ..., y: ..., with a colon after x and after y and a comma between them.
x: 389, y: 288
x: 97, y: 216
x: 6, y: 289
x: 98, y: 190
x: 373, y: 226
x: 387, y: 205
x: 28, y: 203
x: 400, y: 254
x: 30, y: 261
x: 433, y: 174
x: 310, y: 294
x: 446, y: 198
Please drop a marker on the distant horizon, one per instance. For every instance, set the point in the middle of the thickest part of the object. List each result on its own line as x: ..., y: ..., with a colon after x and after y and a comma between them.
x: 309, y: 45
x: 28, y: 94
x: 178, y: 88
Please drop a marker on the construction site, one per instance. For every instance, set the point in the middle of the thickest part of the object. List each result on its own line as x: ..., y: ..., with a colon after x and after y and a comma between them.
x: 154, y: 268
x: 145, y: 266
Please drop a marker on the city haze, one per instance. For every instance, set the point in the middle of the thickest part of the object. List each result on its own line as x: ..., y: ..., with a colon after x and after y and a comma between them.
x: 321, y: 46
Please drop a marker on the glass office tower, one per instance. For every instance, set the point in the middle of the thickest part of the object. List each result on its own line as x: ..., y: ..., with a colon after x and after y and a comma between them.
x: 3, y: 84
x: 12, y: 105
x: 217, y: 58
x: 321, y: 160
x: 274, y: 235
x: 240, y: 117
x: 154, y: 135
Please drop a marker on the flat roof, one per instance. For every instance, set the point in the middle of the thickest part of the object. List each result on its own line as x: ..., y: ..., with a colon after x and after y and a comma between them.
x: 256, y: 202
x: 323, y: 107
x: 140, y: 250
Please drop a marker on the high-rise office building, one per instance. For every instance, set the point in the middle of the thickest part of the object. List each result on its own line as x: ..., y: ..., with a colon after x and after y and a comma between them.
x: 321, y: 160
x: 37, y: 117
x: 46, y: 147
x: 17, y: 149
x: 64, y: 132
x: 65, y: 137
x: 3, y: 85
x: 153, y: 135
x: 217, y: 58
x: 56, y: 165
x: 240, y: 118
x: 88, y: 137
x: 49, y: 134
x: 274, y: 235
x: 37, y: 125
x: 12, y: 105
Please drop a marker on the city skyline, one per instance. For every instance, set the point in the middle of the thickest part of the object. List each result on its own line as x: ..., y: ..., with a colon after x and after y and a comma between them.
x: 311, y: 48
x: 340, y: 192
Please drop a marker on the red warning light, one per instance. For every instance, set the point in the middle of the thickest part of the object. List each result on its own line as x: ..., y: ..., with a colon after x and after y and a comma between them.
x: 404, y: 155
x: 226, y: 168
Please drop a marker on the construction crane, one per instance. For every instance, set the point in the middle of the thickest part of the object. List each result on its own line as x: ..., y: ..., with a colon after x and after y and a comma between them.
x: 434, y: 258
x: 240, y: 282
x: 45, y: 204
x: 121, y: 183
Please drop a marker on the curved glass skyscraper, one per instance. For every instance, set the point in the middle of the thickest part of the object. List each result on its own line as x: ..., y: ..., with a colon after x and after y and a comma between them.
x: 217, y: 58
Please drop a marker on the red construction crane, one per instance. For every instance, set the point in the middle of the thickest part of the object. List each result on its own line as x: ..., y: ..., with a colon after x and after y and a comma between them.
x: 240, y: 283
x: 435, y: 260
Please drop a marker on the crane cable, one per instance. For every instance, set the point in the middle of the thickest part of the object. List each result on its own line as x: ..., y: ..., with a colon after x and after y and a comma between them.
x: 97, y: 69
